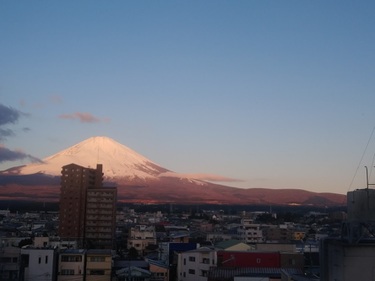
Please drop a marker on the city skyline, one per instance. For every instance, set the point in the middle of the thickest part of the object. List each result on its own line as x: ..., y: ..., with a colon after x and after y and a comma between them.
x: 267, y: 94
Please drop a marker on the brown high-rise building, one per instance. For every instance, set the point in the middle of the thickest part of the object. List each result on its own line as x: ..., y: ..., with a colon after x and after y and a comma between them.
x: 87, y: 209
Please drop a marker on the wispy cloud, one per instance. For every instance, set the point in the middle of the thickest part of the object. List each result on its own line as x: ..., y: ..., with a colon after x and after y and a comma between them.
x: 203, y: 177
x: 215, y: 178
x: 8, y: 116
x: 13, y: 155
x: 5, y: 133
x: 83, y: 117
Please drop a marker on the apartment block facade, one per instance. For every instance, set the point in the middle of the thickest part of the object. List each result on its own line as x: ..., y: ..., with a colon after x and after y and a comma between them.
x: 71, y: 265
x: 87, y: 209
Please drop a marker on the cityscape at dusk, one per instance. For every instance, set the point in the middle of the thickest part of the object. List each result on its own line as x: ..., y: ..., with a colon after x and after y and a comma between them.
x: 249, y: 94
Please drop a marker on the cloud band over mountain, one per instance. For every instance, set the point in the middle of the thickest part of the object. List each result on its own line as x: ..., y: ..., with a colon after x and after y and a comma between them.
x: 203, y: 177
x: 11, y: 155
x: 83, y: 117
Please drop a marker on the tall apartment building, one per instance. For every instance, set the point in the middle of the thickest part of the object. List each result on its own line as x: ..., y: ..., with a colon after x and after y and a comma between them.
x: 87, y: 209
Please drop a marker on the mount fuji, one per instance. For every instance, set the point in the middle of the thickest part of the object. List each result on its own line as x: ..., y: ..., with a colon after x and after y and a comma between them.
x: 118, y: 161
x: 140, y: 180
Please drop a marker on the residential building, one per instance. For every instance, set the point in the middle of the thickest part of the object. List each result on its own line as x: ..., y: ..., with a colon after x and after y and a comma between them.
x: 215, y: 237
x: 159, y: 270
x: 98, y: 265
x: 87, y: 209
x: 250, y: 232
x: 75, y: 180
x: 233, y: 245
x: 167, y: 250
x: 9, y: 262
x: 140, y: 237
x: 352, y: 256
x: 195, y: 264
x: 277, y: 233
x: 169, y: 255
x: 100, y: 222
x: 71, y: 265
x: 134, y: 273
x: 38, y: 264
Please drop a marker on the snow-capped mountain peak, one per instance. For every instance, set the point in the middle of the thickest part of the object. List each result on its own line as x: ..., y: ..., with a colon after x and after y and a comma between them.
x: 118, y: 160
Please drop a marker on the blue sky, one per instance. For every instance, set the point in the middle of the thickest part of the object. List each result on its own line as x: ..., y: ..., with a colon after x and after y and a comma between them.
x: 276, y: 94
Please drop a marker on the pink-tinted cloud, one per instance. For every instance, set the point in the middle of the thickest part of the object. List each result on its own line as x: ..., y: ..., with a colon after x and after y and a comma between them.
x: 203, y: 177
x: 83, y: 117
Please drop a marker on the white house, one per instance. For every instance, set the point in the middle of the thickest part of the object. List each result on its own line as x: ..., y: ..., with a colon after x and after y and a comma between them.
x: 194, y: 265
x: 39, y: 264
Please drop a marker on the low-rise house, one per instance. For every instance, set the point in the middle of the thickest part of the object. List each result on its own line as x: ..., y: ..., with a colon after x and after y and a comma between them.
x: 195, y: 264
x: 167, y: 250
x: 233, y: 245
x: 159, y: 270
x: 71, y: 265
x: 9, y: 263
x: 277, y: 233
x: 133, y: 273
x: 140, y: 237
x: 98, y: 265
x: 41, y: 242
x: 177, y: 234
x: 38, y: 264
x: 215, y: 237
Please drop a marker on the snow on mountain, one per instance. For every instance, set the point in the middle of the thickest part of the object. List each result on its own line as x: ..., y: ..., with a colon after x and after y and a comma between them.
x: 118, y: 160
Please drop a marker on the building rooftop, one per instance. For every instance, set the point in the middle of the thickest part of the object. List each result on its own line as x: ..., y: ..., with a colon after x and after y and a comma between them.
x: 227, y: 244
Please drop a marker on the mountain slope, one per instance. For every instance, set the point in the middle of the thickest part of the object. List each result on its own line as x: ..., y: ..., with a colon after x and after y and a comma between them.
x: 118, y: 160
x: 141, y: 180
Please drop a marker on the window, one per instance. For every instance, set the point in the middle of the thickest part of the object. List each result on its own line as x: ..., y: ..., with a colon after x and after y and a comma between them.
x: 46, y: 259
x: 204, y: 273
x: 206, y: 260
x: 67, y: 271
x: 184, y: 261
x: 191, y: 271
x: 39, y: 260
x: 97, y: 272
x: 71, y: 258
x: 97, y: 259
x: 191, y: 258
x: 5, y: 259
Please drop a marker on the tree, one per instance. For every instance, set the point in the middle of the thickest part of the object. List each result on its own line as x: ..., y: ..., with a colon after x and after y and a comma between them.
x: 133, y: 253
x: 25, y: 242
